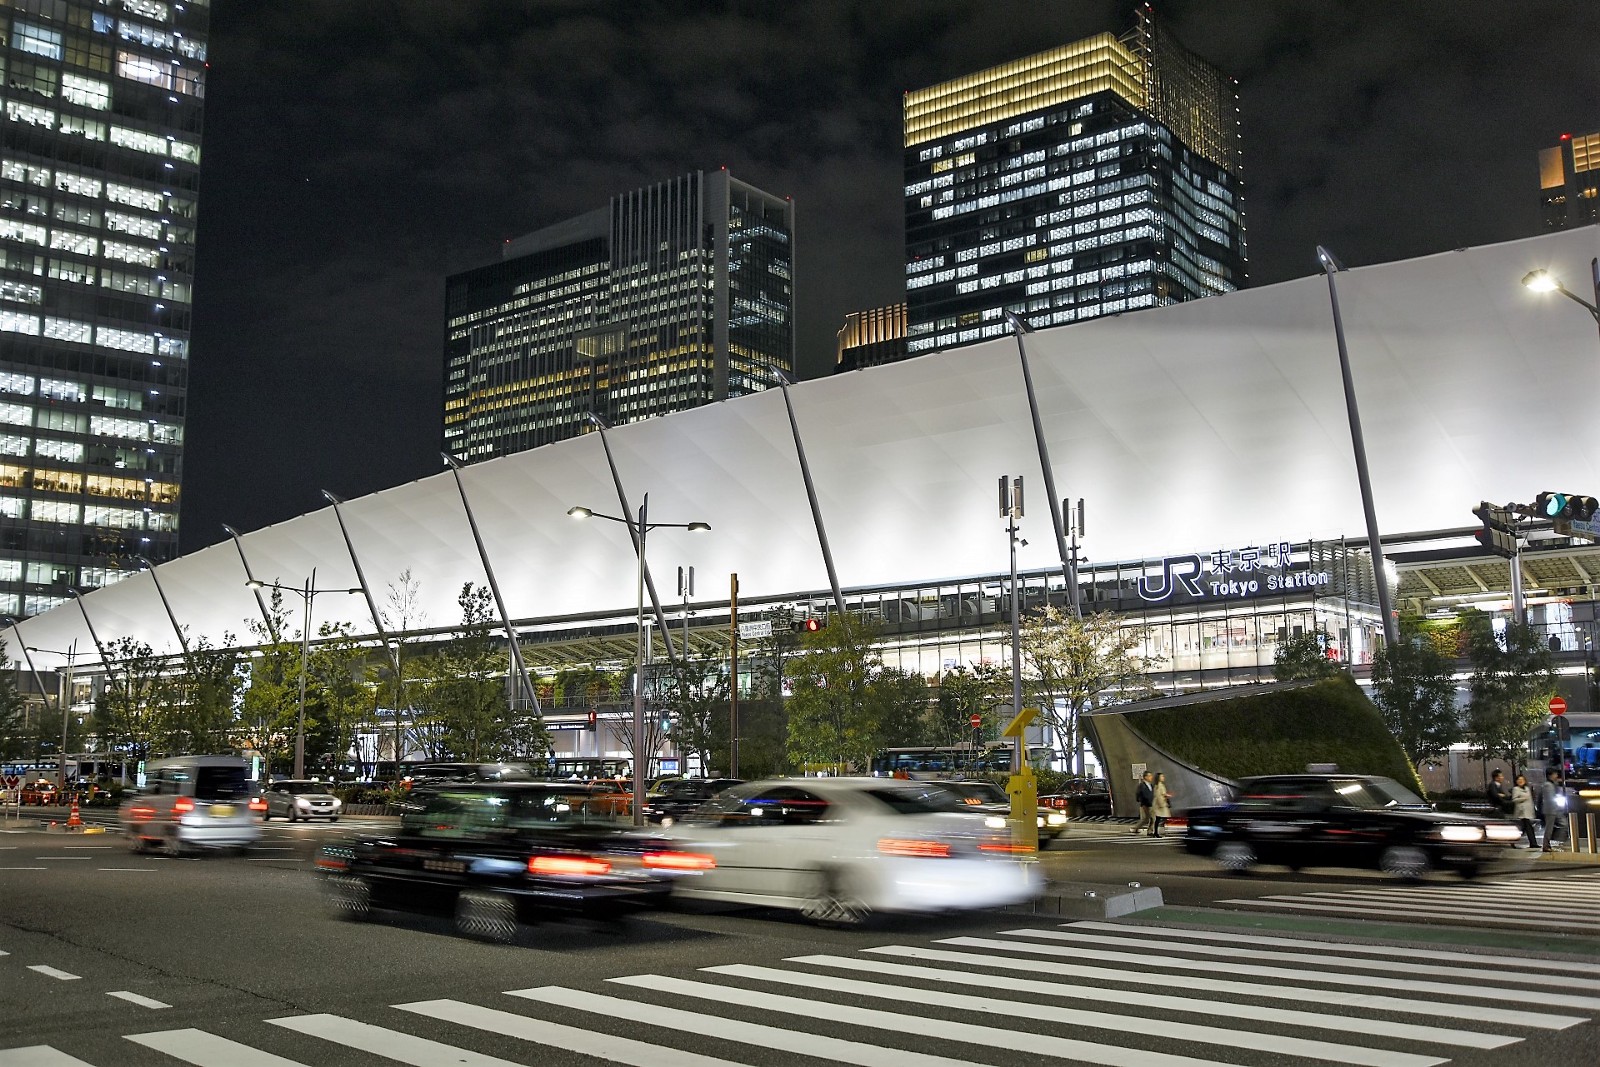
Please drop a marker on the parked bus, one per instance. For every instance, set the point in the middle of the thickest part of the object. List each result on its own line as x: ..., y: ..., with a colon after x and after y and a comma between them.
x: 953, y: 761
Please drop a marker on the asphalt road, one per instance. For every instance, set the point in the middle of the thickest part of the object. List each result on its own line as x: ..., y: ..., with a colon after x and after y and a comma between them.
x: 116, y: 958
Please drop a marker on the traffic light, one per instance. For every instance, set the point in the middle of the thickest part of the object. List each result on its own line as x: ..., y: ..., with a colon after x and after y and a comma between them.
x: 1499, y: 533
x: 1566, y: 506
x: 808, y: 626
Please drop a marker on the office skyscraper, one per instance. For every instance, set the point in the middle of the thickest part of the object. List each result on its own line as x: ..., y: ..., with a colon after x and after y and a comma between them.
x: 1098, y: 177
x: 676, y: 295
x: 871, y: 338
x: 1569, y: 182
x: 99, y: 188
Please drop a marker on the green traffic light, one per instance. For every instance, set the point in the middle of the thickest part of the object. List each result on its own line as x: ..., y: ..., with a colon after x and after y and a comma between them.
x: 1555, y: 505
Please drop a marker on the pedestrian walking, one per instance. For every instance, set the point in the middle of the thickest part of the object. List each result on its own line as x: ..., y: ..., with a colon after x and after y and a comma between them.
x: 1500, y: 793
x: 1144, y: 797
x: 1160, y: 805
x: 1553, y: 802
x: 1522, y: 808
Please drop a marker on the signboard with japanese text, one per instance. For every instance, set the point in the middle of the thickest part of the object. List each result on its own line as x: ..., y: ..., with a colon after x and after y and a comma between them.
x: 1229, y: 574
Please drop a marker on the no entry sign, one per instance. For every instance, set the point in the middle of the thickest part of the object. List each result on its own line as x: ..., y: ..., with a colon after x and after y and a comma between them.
x: 1558, y: 705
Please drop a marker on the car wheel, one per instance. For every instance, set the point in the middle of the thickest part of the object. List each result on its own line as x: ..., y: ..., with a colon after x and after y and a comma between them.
x: 486, y: 916
x: 830, y: 901
x: 136, y: 843
x: 333, y: 818
x: 1468, y: 871
x: 349, y: 898
x: 1234, y: 856
x: 1404, y: 861
x: 291, y: 816
x: 171, y: 846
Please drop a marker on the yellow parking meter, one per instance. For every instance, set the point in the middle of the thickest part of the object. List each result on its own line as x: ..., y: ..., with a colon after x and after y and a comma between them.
x: 1022, y: 787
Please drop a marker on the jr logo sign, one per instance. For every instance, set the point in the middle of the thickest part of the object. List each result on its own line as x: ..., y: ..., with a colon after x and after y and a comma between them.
x: 1175, y: 571
x: 1228, y: 574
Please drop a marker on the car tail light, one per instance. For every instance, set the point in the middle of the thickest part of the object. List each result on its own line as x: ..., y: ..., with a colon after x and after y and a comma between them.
x: 258, y: 803
x: 678, y: 861
x: 182, y: 806
x: 1461, y: 833
x: 1007, y: 847
x: 568, y: 865
x: 910, y: 846
x: 332, y: 863
x: 141, y: 812
x: 1503, y: 831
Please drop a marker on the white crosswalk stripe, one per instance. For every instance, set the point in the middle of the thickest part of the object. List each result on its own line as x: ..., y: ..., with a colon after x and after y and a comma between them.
x: 1520, y: 903
x: 1094, y: 992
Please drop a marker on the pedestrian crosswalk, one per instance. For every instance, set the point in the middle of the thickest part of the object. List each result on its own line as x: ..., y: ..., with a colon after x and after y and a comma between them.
x: 1119, y: 994
x: 1517, y: 903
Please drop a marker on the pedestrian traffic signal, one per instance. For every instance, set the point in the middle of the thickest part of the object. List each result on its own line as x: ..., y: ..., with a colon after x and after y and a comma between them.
x: 1499, y: 533
x: 1566, y: 506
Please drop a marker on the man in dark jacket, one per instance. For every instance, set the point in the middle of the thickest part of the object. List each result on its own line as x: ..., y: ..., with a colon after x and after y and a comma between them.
x: 1553, y: 803
x: 1145, y: 797
x: 1500, y: 793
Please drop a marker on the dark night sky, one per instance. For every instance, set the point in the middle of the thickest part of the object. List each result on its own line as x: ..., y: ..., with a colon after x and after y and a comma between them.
x: 358, y: 151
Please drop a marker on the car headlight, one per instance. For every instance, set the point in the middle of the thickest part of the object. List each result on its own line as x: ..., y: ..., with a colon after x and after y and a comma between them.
x: 1502, y: 831
x: 1461, y: 833
x: 337, y: 803
x: 1056, y: 818
x: 995, y: 822
x: 301, y: 802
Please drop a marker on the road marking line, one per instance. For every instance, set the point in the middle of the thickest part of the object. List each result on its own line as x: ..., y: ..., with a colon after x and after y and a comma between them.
x: 1408, y: 914
x: 135, y: 998
x: 147, y: 869
x: 761, y: 1035
x: 208, y: 1050
x: 52, y: 972
x: 1098, y: 1020
x: 417, y: 1051
x: 1226, y: 1008
x: 1359, y: 1000
x: 85, y: 859
x: 1254, y: 938
x: 990, y: 1037
x: 39, y: 1056
x: 24, y: 868
x: 1509, y: 908
x: 569, y: 1038
x: 88, y: 846
x: 1266, y: 955
x: 273, y: 848
x: 272, y: 859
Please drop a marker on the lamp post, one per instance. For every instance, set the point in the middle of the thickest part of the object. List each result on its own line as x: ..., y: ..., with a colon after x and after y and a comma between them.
x: 1542, y: 281
x: 64, y: 699
x: 307, y: 593
x: 640, y: 527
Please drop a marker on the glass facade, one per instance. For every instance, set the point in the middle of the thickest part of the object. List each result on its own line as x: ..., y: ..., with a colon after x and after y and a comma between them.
x: 99, y: 191
x: 677, y: 295
x: 1569, y: 182
x: 871, y: 338
x: 1095, y: 178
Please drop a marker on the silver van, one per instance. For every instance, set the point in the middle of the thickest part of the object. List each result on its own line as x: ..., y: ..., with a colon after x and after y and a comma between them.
x: 191, y: 803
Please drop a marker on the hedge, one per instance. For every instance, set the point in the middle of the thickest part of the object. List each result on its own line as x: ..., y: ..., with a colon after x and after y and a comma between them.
x: 1281, y: 732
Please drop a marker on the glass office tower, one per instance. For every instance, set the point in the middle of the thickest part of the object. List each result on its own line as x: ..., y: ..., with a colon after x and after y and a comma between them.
x: 1098, y: 177
x: 99, y: 188
x: 676, y: 295
x: 1569, y: 182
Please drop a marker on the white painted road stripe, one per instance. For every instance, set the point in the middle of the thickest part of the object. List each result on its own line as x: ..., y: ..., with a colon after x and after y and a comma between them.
x: 1253, y: 938
x: 85, y: 859
x: 1375, y: 981
x: 38, y: 1056
x: 1406, y: 914
x: 87, y: 846
x: 208, y: 1050
x: 1278, y: 991
x: 1154, y: 940
x: 1119, y: 1024
x: 990, y: 1037
x: 417, y: 1051
x: 24, y: 869
x: 1226, y: 1008
x: 761, y: 1035
x: 145, y: 869
x: 569, y: 1038
x: 136, y: 998
x: 52, y: 972
x: 1509, y: 909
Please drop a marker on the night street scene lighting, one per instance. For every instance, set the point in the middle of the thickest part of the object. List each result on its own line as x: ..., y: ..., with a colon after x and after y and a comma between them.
x: 1542, y: 281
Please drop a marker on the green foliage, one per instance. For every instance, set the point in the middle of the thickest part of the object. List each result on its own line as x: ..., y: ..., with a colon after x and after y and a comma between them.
x: 130, y: 713
x: 963, y: 693
x: 897, y: 703
x: 828, y: 713
x: 1414, y: 687
x: 695, y: 691
x: 201, y: 717
x: 763, y: 722
x: 12, y: 718
x: 1512, y: 682
x: 1280, y: 732
x: 1304, y: 658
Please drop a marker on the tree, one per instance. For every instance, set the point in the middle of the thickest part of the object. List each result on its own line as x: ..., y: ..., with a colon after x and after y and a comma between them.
x: 1072, y: 663
x: 897, y: 706
x: 13, y: 718
x: 1513, y: 679
x: 694, y: 689
x: 202, y: 717
x: 963, y: 693
x: 269, y: 706
x: 130, y: 714
x: 336, y: 690
x: 469, y: 690
x: 828, y: 713
x: 1414, y: 688
x: 402, y: 615
x: 1304, y: 658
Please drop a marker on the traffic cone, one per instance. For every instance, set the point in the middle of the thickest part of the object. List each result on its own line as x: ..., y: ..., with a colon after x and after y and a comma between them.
x: 73, y: 822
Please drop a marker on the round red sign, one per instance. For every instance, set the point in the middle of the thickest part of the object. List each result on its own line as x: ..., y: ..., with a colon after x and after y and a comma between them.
x: 976, y: 720
x: 1558, y: 705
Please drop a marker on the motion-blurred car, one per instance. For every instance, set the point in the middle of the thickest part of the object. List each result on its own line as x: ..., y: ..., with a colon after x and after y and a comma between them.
x: 1342, y: 820
x: 42, y: 793
x: 497, y: 854
x: 838, y: 849
x: 296, y: 798
x: 193, y: 802
x: 676, y: 797
x: 983, y: 796
x: 1080, y: 798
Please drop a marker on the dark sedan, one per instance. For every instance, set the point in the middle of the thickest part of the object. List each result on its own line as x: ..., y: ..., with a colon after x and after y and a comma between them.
x: 501, y: 853
x: 1342, y: 820
x: 674, y: 798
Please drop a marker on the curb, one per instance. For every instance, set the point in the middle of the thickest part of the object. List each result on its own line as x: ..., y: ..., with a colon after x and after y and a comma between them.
x: 1077, y: 900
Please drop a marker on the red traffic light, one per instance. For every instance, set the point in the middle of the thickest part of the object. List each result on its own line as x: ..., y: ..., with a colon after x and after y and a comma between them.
x: 811, y: 626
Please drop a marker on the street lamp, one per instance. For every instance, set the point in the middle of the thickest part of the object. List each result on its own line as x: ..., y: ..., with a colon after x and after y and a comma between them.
x: 308, y: 593
x: 1542, y: 281
x: 639, y: 527
x: 65, y: 681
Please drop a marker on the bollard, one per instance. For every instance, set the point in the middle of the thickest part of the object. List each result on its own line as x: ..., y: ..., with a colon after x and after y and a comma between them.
x: 1588, y: 829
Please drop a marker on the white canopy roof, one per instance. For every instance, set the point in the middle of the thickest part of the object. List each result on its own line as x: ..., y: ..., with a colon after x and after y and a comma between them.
x: 1208, y: 424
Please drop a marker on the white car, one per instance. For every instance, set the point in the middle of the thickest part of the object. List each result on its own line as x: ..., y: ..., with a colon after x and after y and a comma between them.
x: 838, y: 849
x: 295, y: 798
